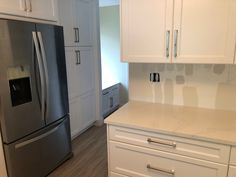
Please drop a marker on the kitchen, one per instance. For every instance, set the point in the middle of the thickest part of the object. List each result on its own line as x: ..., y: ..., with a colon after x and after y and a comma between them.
x: 181, y: 112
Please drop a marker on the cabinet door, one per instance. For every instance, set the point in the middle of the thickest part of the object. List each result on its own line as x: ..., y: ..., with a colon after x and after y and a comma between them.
x: 232, y: 171
x: 13, y: 7
x: 82, y: 113
x: 43, y: 9
x: 204, y: 31
x: 80, y: 70
x: 84, y: 20
x: 146, y: 30
x: 76, y: 123
x: 67, y: 20
x: 87, y: 102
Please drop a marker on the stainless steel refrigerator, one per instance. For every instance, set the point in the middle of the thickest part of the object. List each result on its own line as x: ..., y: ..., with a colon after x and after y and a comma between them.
x: 33, y: 98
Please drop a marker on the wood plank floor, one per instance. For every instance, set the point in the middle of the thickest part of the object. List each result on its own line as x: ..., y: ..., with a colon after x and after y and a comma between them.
x: 90, y: 156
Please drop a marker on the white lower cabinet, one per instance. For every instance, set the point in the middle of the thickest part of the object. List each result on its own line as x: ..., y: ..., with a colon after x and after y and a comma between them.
x: 82, y: 113
x: 232, y: 171
x: 139, y: 162
x: 80, y: 66
x: 130, y: 157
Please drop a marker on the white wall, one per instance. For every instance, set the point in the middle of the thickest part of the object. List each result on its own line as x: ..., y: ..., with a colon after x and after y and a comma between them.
x: 113, y: 71
x: 207, y: 86
x: 103, y: 3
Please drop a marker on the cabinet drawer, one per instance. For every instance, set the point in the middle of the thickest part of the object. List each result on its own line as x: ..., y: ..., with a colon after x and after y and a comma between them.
x: 192, y: 148
x: 233, y: 156
x: 137, y: 161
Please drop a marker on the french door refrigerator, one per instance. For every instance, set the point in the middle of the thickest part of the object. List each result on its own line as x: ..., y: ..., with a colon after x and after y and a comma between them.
x: 33, y: 98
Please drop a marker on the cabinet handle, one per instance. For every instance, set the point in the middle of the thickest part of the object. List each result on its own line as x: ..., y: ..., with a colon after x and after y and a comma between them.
x: 30, y: 4
x: 78, y: 62
x: 76, y: 34
x: 176, y: 43
x: 111, y: 102
x: 170, y: 172
x: 25, y: 6
x: 161, y: 142
x: 167, y: 43
x: 75, y: 29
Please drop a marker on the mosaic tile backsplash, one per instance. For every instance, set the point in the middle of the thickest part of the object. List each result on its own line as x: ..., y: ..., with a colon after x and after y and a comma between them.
x: 195, y: 85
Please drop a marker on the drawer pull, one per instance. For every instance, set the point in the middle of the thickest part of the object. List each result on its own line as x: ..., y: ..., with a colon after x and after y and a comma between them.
x: 172, y: 144
x: 170, y: 172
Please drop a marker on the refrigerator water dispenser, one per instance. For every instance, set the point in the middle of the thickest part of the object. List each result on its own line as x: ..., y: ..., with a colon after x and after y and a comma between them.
x: 20, y: 91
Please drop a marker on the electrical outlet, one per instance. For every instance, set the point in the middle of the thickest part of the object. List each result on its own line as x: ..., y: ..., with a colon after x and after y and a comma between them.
x: 155, y: 77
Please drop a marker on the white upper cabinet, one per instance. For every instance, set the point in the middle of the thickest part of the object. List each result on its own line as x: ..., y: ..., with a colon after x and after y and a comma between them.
x: 146, y: 30
x: 203, y: 31
x: 43, y: 9
x: 39, y: 9
x: 16, y: 7
x: 76, y: 16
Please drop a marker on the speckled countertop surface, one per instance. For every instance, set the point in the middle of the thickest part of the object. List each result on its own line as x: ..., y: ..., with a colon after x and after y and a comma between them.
x: 202, y: 124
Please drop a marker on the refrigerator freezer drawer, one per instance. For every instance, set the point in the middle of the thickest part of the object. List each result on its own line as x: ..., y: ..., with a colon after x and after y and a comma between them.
x: 40, y: 153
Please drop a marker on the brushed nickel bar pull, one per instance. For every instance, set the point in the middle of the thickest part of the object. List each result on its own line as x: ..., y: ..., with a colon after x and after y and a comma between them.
x: 167, y: 43
x: 161, y: 142
x: 25, y: 6
x: 77, y: 30
x: 170, y: 172
x: 176, y: 43
x: 78, y: 61
x: 30, y: 3
x: 76, y: 37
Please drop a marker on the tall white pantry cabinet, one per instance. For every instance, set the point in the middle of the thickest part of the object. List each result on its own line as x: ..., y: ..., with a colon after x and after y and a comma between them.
x: 78, y: 19
x: 177, y: 31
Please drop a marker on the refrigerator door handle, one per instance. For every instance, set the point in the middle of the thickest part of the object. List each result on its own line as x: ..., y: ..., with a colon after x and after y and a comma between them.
x: 25, y: 143
x: 45, y: 67
x: 39, y: 60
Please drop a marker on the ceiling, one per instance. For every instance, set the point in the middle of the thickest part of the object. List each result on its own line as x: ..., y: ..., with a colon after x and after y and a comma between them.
x: 103, y: 3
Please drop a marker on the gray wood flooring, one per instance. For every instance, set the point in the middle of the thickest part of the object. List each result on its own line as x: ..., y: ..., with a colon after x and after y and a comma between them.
x: 90, y: 156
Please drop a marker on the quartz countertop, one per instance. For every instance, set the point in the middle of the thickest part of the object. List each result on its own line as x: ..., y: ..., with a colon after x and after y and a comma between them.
x: 217, y: 126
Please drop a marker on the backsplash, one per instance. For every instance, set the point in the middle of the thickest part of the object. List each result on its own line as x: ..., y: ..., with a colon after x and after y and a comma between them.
x: 206, y: 86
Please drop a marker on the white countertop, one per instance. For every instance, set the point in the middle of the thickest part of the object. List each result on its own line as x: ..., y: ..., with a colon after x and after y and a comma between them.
x: 202, y: 124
